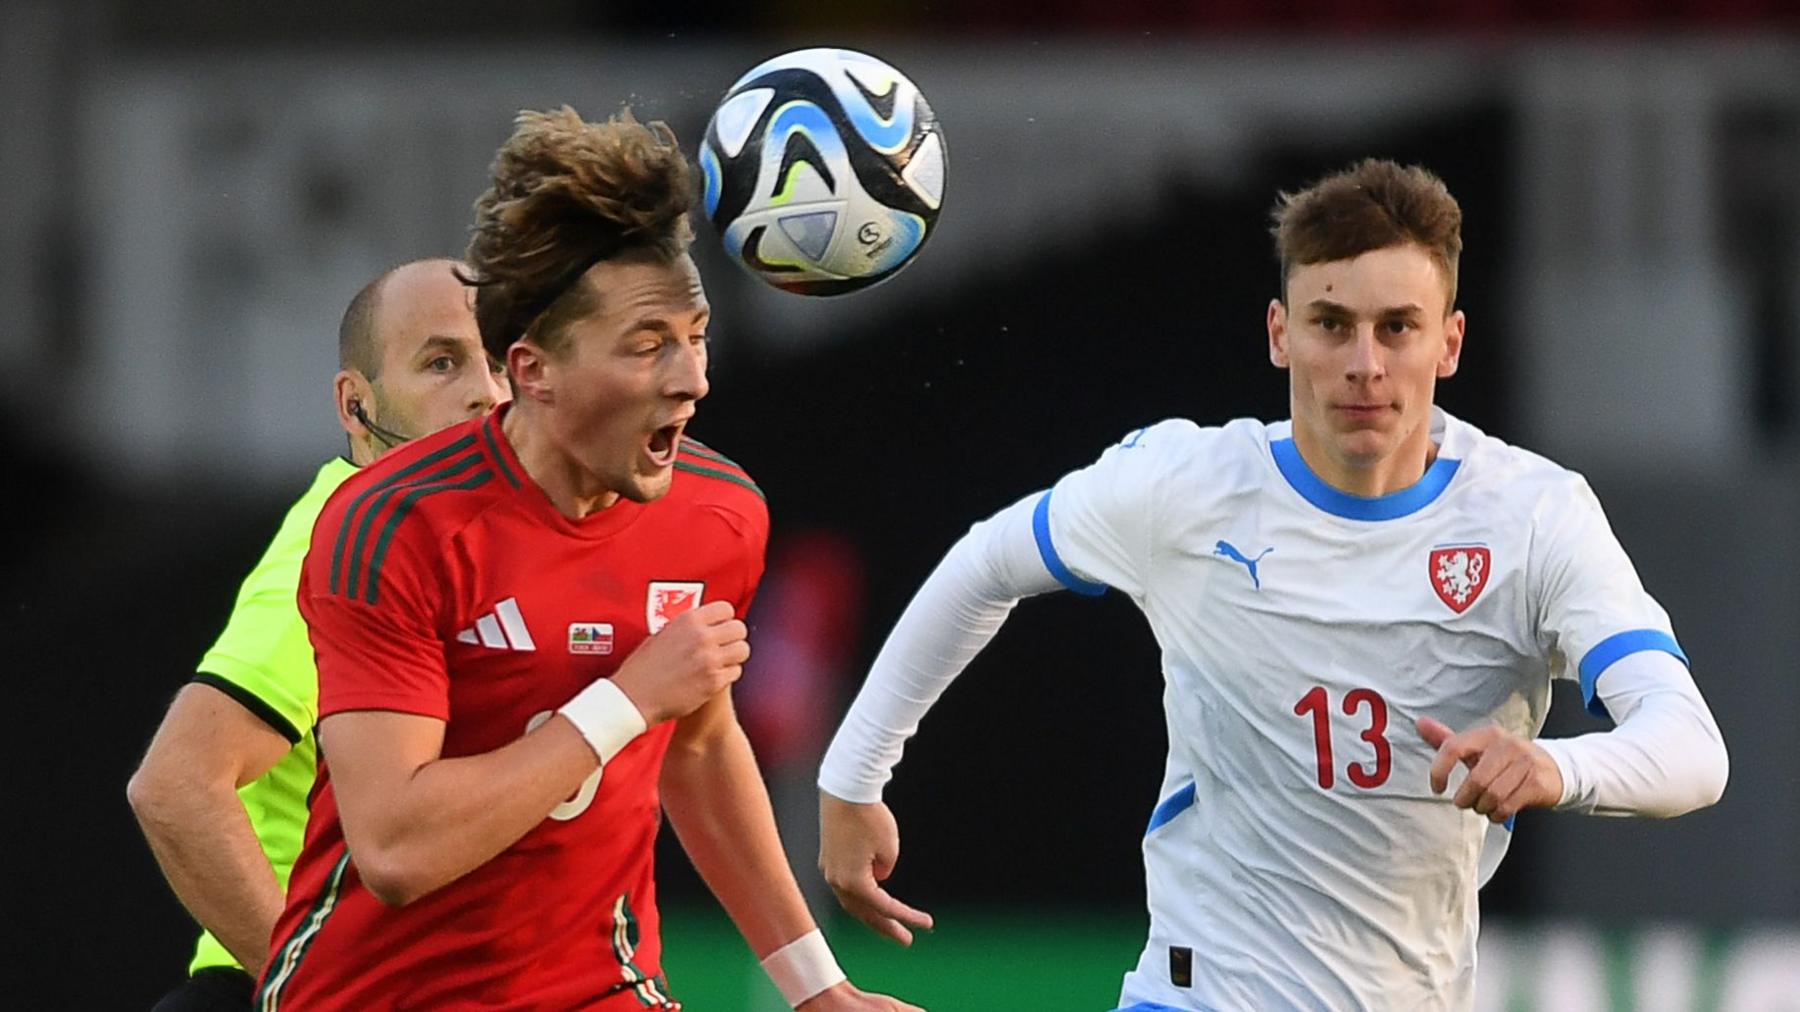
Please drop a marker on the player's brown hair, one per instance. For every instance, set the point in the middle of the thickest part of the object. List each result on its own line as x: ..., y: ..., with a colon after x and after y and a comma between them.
x: 1372, y: 205
x: 566, y: 195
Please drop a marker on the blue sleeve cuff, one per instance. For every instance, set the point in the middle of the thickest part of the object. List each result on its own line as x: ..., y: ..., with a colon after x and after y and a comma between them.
x: 1611, y: 649
x: 1040, y: 528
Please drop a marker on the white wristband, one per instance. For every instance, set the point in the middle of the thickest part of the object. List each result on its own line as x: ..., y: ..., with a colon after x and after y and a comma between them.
x: 803, y: 968
x: 605, y: 716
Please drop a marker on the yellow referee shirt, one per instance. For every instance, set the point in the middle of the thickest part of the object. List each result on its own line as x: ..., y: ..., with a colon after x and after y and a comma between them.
x: 265, y: 662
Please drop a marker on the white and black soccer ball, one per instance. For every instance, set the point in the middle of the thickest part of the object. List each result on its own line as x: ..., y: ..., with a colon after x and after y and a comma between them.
x: 823, y: 171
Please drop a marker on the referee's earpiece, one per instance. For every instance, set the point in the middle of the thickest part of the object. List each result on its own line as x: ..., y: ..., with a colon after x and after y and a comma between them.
x: 392, y: 439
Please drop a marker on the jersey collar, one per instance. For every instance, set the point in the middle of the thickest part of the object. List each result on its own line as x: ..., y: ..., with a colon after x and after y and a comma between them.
x: 596, y: 526
x: 1392, y: 506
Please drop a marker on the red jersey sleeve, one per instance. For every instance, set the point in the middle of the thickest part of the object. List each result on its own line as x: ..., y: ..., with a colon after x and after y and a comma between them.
x: 749, y: 526
x: 371, y: 606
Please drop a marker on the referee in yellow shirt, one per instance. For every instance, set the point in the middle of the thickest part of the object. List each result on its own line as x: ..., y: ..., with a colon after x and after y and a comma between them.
x: 221, y: 794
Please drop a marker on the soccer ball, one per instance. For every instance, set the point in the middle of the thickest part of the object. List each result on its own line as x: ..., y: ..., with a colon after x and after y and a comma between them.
x: 823, y: 171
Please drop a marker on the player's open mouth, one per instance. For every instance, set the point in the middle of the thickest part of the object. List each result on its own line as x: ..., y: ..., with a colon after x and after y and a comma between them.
x: 664, y: 443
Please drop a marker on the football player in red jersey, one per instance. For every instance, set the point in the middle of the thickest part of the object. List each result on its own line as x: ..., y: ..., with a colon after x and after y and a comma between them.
x: 526, y: 627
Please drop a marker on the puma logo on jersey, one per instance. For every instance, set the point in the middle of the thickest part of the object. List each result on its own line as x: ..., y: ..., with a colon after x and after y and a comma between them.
x: 1230, y: 551
x: 502, y: 629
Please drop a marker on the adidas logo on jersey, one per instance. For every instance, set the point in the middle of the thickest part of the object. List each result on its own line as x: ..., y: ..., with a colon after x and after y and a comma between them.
x: 502, y: 629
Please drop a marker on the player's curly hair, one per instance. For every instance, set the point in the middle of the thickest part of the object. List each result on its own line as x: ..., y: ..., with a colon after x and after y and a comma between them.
x: 566, y: 195
x: 1372, y: 205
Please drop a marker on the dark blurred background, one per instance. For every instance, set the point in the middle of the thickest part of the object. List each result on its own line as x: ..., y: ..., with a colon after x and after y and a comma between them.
x: 190, y: 193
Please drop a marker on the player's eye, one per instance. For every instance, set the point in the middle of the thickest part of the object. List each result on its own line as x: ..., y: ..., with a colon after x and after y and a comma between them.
x: 441, y: 364
x: 1329, y: 324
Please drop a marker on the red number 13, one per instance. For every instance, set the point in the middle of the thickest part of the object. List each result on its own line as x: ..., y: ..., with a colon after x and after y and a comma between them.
x: 1318, y: 705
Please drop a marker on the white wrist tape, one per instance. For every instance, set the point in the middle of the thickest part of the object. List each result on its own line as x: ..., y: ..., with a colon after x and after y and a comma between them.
x: 605, y: 716
x: 803, y: 967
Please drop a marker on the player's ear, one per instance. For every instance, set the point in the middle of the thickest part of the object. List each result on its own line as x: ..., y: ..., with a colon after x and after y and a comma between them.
x: 352, y: 392
x: 527, y: 364
x: 1453, y: 344
x: 1278, y: 351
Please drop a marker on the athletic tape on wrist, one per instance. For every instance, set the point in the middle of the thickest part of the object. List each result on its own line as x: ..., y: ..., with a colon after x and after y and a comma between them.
x: 803, y: 968
x: 606, y: 717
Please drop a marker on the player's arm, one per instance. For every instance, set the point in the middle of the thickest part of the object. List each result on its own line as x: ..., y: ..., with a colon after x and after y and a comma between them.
x: 955, y: 613
x: 184, y: 795
x: 1663, y: 757
x: 720, y: 810
x: 1093, y: 530
x: 417, y: 821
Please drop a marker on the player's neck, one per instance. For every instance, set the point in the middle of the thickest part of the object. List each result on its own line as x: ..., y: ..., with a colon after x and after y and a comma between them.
x: 571, y: 488
x: 1369, y: 479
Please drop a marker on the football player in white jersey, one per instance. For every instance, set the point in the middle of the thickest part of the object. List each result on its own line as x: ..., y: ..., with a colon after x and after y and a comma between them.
x: 1360, y: 611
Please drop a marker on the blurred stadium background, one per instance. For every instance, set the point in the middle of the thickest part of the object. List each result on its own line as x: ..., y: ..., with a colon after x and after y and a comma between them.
x: 190, y: 192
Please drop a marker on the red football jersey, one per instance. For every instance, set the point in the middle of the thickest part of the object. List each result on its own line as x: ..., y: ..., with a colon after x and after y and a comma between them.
x: 442, y: 582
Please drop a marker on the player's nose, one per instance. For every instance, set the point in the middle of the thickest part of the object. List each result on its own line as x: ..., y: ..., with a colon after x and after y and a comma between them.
x: 687, y: 375
x: 486, y: 391
x: 1365, y: 355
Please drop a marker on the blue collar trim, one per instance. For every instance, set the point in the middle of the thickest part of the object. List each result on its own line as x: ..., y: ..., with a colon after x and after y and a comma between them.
x: 1392, y: 506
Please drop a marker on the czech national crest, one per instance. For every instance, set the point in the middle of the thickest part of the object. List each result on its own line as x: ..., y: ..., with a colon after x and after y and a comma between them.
x: 1459, y: 574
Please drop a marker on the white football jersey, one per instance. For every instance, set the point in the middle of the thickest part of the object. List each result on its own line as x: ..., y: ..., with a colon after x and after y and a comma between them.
x: 1297, y: 857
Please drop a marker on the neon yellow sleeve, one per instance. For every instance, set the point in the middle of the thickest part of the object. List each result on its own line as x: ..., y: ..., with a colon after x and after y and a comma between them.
x: 264, y: 652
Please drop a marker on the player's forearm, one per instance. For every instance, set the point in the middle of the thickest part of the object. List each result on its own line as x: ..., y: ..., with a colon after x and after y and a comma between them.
x: 957, y: 611
x: 203, y: 842
x: 1664, y: 758
x: 720, y: 810
x: 1661, y: 763
x: 450, y: 816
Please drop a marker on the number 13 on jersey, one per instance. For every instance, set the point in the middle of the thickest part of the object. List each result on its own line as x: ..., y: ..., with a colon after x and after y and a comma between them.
x: 1317, y: 704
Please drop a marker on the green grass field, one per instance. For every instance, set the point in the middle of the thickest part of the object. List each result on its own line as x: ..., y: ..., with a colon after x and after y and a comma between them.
x: 999, y: 962
x: 1067, y: 961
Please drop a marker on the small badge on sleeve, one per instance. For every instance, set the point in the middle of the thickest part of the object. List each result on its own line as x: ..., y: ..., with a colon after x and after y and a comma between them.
x: 1181, y: 966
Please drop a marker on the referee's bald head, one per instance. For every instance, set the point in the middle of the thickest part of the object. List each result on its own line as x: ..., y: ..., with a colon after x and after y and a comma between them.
x: 359, y: 334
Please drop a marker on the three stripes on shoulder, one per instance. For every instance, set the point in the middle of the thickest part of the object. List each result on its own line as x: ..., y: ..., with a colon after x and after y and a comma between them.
x: 356, y: 560
x: 698, y: 458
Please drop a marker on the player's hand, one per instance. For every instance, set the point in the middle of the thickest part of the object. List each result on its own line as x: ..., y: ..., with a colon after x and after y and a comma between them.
x: 858, y: 848
x: 845, y: 997
x: 690, y: 661
x: 1507, y: 772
